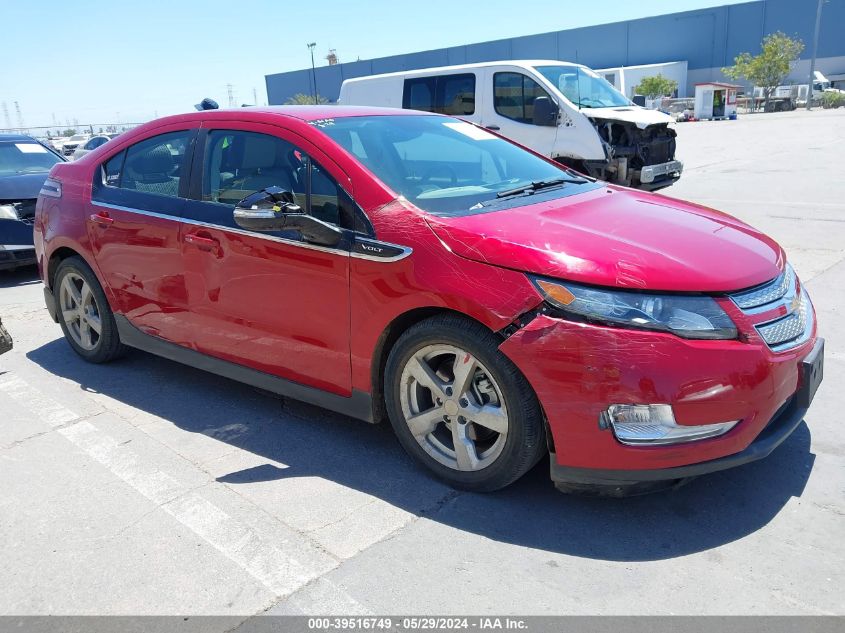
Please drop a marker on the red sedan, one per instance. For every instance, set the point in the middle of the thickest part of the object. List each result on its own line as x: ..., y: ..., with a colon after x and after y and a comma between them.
x: 493, y: 305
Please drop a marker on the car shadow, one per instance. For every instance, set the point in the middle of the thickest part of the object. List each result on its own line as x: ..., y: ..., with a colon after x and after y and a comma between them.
x: 706, y: 513
x: 24, y: 276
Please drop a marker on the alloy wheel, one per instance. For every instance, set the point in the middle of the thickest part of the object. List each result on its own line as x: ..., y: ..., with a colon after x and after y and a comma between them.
x: 454, y: 407
x: 80, y: 312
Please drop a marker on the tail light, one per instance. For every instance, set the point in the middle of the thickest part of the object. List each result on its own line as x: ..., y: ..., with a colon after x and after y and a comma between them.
x: 51, y: 188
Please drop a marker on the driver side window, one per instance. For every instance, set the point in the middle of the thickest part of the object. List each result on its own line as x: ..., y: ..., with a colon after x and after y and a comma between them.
x: 239, y: 163
x: 514, y: 95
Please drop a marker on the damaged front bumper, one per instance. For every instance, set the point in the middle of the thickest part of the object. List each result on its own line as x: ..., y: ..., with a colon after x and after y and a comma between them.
x: 578, y: 370
x: 663, y: 173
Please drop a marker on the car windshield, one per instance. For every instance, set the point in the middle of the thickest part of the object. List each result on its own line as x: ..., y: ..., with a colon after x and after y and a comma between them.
x: 25, y: 157
x: 442, y: 165
x: 583, y: 87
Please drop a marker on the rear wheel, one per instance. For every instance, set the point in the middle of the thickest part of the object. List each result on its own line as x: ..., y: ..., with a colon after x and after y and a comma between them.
x: 460, y: 407
x: 84, y: 313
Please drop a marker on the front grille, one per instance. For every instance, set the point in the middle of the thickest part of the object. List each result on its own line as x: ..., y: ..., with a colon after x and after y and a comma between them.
x: 792, y: 328
x: 786, y: 329
x: 26, y: 211
x: 767, y: 293
x: 657, y: 152
x: 24, y: 208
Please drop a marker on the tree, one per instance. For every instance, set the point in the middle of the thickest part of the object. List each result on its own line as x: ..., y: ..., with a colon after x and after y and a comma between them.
x: 769, y: 69
x: 68, y: 132
x: 303, y: 99
x: 656, y: 86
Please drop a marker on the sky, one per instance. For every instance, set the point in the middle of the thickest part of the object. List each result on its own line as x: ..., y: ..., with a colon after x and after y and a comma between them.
x: 107, y: 61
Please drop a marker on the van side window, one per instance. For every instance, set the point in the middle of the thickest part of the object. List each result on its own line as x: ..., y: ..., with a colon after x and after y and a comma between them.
x: 445, y: 94
x: 514, y: 94
x: 419, y: 94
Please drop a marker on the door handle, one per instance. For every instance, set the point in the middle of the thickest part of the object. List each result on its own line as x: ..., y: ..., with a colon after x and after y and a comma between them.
x: 102, y: 219
x: 493, y: 127
x: 203, y: 243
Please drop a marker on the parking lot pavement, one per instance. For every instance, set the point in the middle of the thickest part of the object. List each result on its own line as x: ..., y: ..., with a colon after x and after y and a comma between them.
x: 145, y: 487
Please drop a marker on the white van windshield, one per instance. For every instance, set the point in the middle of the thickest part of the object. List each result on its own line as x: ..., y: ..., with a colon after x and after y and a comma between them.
x: 443, y: 165
x: 583, y: 87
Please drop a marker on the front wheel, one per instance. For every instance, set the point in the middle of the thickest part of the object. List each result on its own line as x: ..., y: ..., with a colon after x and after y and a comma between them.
x: 460, y: 407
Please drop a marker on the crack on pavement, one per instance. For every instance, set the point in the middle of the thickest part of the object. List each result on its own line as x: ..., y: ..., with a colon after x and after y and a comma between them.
x: 53, y: 429
x: 342, y: 518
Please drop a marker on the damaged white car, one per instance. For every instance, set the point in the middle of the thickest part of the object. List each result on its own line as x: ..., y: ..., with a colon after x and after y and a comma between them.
x: 559, y: 109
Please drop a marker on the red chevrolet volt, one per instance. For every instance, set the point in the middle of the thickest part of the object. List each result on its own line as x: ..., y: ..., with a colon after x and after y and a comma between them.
x: 390, y: 264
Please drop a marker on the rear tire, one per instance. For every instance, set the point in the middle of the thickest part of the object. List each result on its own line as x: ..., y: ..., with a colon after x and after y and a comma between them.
x: 84, y: 313
x: 460, y: 407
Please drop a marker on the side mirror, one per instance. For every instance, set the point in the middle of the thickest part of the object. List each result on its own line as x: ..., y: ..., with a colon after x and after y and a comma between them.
x: 545, y: 111
x: 274, y: 209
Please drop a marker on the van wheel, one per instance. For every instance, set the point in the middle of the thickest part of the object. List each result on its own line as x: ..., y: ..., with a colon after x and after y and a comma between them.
x: 84, y: 313
x: 460, y: 407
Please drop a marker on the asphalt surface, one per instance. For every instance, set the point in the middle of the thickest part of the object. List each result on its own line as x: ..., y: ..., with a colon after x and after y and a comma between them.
x: 146, y: 487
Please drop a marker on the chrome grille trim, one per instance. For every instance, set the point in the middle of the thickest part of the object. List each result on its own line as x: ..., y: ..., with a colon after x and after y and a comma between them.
x: 791, y: 330
x: 767, y: 293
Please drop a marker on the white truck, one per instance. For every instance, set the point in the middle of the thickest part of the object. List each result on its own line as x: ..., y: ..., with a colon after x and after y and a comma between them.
x: 562, y: 110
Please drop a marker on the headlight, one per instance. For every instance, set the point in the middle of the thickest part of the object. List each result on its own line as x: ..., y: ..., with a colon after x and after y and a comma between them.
x: 8, y: 212
x: 687, y: 316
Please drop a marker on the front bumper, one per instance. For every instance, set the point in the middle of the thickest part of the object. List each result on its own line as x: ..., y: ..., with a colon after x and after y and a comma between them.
x: 652, y: 174
x: 773, y: 435
x: 12, y: 257
x: 577, y: 370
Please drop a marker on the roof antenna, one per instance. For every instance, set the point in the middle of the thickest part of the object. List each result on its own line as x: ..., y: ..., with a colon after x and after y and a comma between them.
x: 207, y: 104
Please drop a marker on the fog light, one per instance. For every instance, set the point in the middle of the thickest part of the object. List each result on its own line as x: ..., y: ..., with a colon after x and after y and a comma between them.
x: 654, y: 425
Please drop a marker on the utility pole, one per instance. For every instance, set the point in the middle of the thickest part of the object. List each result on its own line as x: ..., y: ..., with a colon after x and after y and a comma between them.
x: 231, y: 95
x: 813, y: 59
x: 6, y: 116
x: 254, y: 97
x: 313, y: 69
x: 20, y: 116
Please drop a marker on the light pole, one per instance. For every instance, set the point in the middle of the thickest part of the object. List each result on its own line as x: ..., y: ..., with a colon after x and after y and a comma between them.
x: 813, y: 59
x: 313, y: 70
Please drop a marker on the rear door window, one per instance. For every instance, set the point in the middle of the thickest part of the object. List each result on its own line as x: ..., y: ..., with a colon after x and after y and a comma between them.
x: 443, y: 94
x: 151, y: 175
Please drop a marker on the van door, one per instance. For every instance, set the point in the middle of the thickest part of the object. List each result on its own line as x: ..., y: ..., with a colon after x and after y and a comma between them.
x: 509, y: 98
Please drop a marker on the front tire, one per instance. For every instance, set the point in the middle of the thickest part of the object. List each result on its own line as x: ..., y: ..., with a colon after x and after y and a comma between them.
x: 460, y: 407
x: 84, y: 313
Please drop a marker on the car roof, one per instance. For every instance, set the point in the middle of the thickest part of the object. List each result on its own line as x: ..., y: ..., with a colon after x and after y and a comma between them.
x: 301, y: 112
x: 17, y: 137
x: 437, y: 70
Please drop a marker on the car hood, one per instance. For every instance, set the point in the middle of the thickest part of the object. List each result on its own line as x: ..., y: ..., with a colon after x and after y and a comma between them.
x: 641, y: 117
x: 21, y: 186
x: 618, y: 237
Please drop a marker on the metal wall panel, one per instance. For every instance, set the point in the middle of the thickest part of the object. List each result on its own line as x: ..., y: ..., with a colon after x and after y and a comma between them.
x: 706, y: 39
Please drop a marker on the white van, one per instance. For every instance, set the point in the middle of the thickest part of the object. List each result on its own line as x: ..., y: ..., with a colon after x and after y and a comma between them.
x: 562, y: 110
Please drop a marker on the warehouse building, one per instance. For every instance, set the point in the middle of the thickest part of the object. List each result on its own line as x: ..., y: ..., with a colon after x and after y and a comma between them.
x: 703, y: 41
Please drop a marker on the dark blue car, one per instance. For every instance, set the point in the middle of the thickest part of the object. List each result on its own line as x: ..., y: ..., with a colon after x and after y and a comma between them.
x: 24, y: 165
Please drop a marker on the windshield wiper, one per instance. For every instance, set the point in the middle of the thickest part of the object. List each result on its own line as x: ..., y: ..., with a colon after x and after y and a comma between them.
x: 537, y: 185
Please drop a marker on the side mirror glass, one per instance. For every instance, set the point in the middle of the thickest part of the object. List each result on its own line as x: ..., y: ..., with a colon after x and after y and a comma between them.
x: 275, y: 209
x: 545, y: 111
